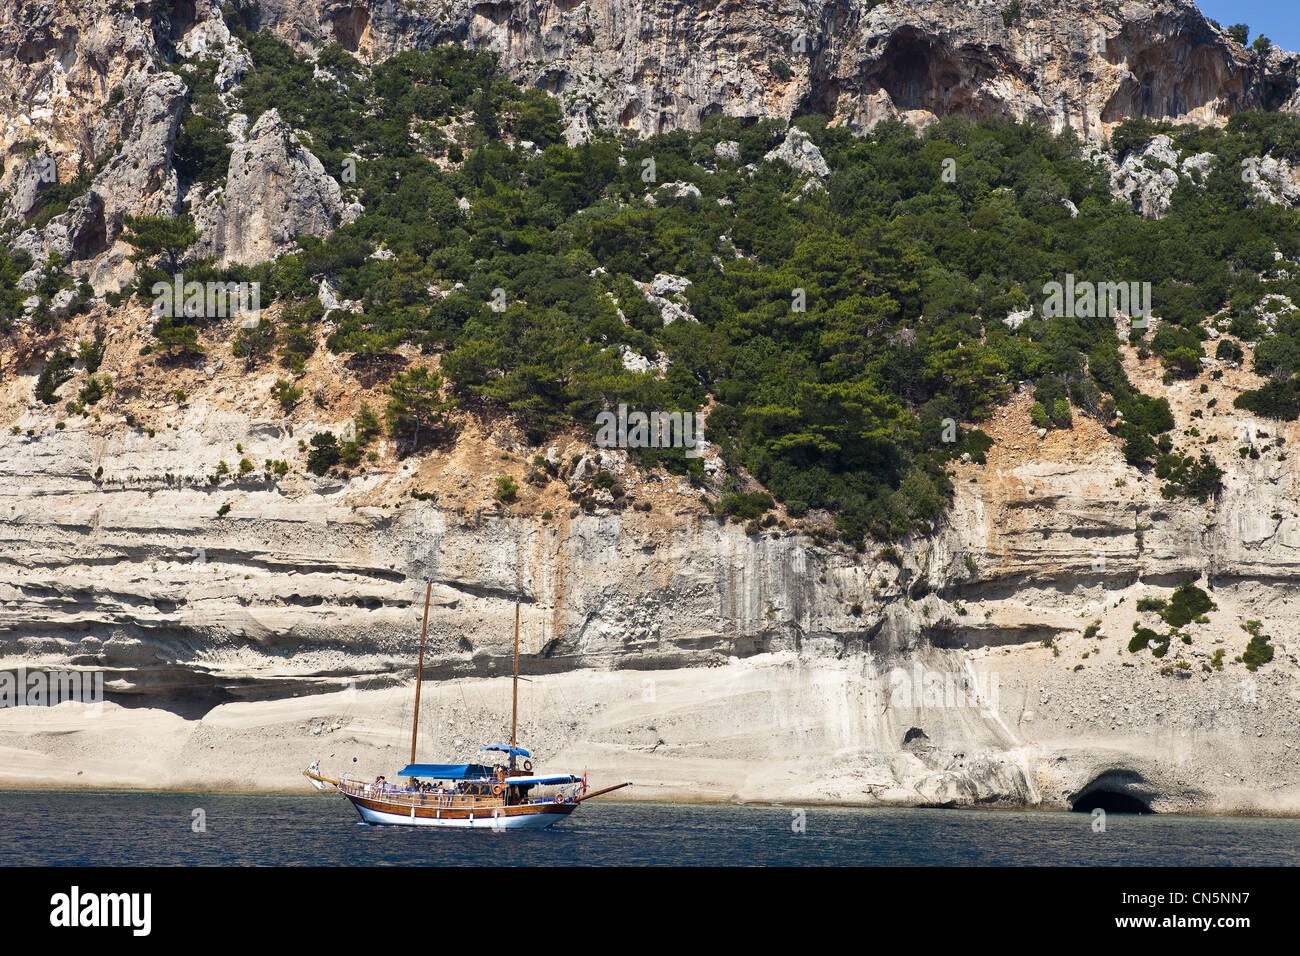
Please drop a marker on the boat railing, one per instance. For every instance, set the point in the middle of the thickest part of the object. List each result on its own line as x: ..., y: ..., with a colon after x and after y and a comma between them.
x: 446, y: 798
x: 419, y: 798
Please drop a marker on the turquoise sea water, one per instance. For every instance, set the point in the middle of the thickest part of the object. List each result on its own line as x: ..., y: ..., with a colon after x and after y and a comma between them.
x: 132, y: 828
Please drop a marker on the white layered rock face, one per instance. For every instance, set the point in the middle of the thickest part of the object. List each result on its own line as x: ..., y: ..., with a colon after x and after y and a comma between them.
x: 666, y: 648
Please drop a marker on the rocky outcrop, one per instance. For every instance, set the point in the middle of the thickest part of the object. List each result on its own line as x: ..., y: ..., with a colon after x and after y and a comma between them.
x: 61, y: 62
x: 139, y: 179
x: 86, y: 82
x: 78, y: 234
x: 1276, y: 181
x: 28, y: 181
x: 667, y: 294
x: 275, y: 191
x: 800, y: 153
x: 1147, y: 177
x: 208, y: 37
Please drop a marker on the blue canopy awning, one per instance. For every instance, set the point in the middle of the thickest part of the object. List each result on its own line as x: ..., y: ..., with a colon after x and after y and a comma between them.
x: 446, y: 771
x: 513, y: 751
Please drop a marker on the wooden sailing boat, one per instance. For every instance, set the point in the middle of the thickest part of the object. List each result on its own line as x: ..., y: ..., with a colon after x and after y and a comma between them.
x: 508, y: 797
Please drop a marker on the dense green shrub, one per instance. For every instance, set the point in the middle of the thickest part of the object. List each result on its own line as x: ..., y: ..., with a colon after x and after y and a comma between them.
x: 95, y: 388
x: 1180, y: 348
x: 1061, y: 416
x: 1142, y: 637
x: 1228, y: 351
x: 286, y: 393
x: 1272, y: 400
x: 745, y: 505
x: 57, y: 370
x: 1187, y: 603
x: 1188, y: 477
x: 1258, y: 649
x: 506, y: 489
x: 324, y: 453
x: 201, y: 153
x: 91, y: 352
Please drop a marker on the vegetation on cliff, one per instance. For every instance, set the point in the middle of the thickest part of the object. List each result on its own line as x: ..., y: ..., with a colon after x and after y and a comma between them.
x: 839, y: 331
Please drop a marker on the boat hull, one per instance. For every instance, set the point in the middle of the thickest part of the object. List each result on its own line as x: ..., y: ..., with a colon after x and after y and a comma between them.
x: 537, y: 816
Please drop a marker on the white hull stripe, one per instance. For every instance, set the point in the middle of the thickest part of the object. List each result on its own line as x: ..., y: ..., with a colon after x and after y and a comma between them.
x: 518, y: 821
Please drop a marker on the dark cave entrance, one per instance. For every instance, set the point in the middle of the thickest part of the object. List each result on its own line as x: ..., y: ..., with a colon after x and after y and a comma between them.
x: 1115, y: 791
x: 350, y: 26
x: 181, y: 17
x: 920, y: 72
x: 1112, y: 801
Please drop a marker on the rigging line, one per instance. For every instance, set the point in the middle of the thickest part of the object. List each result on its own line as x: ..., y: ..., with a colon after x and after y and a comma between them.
x: 464, y: 704
x: 514, y: 683
x: 351, y: 693
x: 419, y: 672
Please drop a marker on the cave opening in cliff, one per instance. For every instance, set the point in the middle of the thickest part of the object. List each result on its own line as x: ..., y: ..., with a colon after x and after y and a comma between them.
x: 350, y: 28
x: 1114, y: 791
x: 182, y: 18
x: 919, y: 72
x: 1111, y: 801
x: 92, y: 239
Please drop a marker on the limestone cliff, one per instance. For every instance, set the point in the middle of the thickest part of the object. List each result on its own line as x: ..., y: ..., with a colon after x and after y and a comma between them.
x: 983, y: 665
x: 247, y: 624
x: 663, y: 65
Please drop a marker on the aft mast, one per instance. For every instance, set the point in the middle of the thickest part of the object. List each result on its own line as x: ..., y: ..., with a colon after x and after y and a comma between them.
x: 514, y: 701
x: 419, y: 675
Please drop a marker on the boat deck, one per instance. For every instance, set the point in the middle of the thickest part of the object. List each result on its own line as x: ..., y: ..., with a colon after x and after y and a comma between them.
x: 447, y: 800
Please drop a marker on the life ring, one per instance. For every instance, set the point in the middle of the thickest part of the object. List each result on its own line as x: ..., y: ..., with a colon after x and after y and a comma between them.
x: 561, y: 798
x: 528, y: 765
x: 497, y: 788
